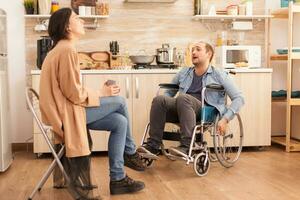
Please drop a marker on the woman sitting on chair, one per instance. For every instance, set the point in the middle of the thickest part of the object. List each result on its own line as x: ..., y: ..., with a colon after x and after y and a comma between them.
x: 70, y: 108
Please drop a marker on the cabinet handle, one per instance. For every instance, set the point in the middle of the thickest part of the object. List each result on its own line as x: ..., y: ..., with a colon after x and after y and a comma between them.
x: 137, y: 88
x: 127, y: 87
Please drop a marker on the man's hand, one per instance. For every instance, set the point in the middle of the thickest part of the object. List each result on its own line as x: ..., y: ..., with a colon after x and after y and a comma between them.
x: 222, y: 126
x: 111, y: 90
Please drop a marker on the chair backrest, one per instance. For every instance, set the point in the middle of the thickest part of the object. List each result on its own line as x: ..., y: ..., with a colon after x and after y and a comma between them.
x: 32, y: 99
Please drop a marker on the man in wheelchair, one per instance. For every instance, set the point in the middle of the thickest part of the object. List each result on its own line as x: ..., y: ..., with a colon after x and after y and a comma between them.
x: 184, y: 108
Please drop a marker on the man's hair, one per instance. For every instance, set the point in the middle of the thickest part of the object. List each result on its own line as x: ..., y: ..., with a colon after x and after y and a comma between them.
x: 208, y: 47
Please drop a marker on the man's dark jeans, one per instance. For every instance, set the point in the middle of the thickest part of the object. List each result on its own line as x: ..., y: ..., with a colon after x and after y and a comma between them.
x: 183, y: 109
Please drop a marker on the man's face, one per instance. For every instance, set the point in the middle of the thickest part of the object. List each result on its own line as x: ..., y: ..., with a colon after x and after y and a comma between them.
x: 199, y: 54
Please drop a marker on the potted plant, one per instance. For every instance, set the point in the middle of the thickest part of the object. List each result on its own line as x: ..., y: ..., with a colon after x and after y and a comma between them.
x: 29, y: 6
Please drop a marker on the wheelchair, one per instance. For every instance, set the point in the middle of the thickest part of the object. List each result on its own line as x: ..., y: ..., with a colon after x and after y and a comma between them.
x: 224, y: 148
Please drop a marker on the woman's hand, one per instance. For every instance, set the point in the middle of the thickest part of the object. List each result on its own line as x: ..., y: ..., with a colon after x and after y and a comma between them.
x: 222, y: 126
x: 111, y: 90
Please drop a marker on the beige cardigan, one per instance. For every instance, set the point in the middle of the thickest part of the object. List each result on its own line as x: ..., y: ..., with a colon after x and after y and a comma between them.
x: 63, y: 99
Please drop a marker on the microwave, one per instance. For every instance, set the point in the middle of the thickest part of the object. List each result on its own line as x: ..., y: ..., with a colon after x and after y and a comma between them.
x: 238, y: 56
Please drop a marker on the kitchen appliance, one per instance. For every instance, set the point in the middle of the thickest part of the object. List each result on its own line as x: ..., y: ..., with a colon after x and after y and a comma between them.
x: 43, y: 46
x: 5, y: 139
x: 234, y: 56
x: 166, y: 54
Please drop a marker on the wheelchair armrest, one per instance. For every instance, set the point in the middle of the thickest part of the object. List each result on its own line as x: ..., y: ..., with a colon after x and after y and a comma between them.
x: 168, y: 86
x: 216, y: 87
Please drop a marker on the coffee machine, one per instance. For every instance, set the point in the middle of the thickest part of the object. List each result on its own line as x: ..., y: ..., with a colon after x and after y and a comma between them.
x: 43, y: 46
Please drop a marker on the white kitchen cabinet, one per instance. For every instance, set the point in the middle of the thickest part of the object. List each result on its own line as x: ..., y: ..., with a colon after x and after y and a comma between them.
x: 139, y: 87
x: 144, y: 89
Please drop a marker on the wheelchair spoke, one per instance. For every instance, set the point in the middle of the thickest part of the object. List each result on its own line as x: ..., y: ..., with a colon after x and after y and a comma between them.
x: 228, y: 147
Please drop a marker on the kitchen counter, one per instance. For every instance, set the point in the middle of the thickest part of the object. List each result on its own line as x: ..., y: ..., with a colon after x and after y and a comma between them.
x: 159, y: 71
x: 140, y: 86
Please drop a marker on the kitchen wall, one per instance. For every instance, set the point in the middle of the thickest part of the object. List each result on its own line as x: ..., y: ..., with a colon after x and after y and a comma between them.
x: 144, y: 26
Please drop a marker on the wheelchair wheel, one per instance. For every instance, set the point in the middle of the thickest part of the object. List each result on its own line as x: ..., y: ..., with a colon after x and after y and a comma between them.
x: 147, y: 161
x: 201, y: 164
x: 228, y: 147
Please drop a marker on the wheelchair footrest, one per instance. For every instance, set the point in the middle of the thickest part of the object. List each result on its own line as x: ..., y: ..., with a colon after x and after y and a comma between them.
x: 175, y: 136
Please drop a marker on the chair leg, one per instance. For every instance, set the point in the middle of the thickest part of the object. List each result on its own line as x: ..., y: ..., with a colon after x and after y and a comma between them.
x: 46, y: 175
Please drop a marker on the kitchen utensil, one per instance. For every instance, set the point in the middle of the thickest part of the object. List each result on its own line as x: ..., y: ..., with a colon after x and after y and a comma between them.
x: 88, y: 10
x: 81, y: 10
x: 43, y: 46
x: 212, y: 10
x: 197, y: 7
x: 285, y: 50
x: 76, y: 3
x: 142, y: 59
x: 44, y: 7
x: 232, y: 10
x: 166, y: 54
x: 114, y: 47
x: 95, y: 60
x: 242, y: 9
x: 110, y: 82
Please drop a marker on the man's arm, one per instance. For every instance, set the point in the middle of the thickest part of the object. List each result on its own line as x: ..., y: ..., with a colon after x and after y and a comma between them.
x: 235, y: 95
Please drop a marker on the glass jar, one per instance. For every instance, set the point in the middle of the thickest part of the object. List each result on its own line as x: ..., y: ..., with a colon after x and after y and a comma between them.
x: 221, y: 38
x: 54, y: 6
x: 102, y: 7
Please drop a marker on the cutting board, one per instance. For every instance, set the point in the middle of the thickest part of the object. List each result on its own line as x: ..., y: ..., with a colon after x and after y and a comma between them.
x: 95, y: 60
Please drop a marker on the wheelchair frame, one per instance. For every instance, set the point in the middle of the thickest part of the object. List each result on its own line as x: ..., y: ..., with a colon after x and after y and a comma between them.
x: 201, y: 160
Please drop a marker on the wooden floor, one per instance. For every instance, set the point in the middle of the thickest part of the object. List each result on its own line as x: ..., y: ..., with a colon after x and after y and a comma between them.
x: 269, y: 174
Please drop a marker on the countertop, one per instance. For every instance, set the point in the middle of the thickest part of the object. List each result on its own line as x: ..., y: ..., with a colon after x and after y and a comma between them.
x: 159, y: 71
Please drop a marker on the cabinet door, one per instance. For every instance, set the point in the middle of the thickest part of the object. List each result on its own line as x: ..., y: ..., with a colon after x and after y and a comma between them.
x: 100, y: 138
x: 256, y: 113
x: 145, y: 87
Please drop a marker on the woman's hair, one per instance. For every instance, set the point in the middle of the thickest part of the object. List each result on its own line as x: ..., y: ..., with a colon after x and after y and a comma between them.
x: 58, y: 25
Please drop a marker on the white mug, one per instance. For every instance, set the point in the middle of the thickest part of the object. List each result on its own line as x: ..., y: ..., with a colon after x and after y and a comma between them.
x: 81, y: 10
x: 88, y: 10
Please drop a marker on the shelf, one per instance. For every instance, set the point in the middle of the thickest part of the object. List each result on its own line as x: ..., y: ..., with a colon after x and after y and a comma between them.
x: 83, y: 17
x: 284, y: 12
x: 281, y: 13
x: 279, y: 57
x: 295, y: 55
x: 279, y: 100
x: 294, y: 144
x: 232, y: 17
x: 296, y: 8
x: 295, y: 101
x: 94, y: 26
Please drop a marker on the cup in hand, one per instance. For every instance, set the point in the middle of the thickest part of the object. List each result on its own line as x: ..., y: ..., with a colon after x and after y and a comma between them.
x: 110, y: 82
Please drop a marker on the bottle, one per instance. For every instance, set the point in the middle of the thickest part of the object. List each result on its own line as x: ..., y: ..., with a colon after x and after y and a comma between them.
x: 54, y: 6
x: 197, y: 7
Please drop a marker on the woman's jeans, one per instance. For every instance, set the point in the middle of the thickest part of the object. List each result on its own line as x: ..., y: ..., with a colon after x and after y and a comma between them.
x: 112, y: 115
